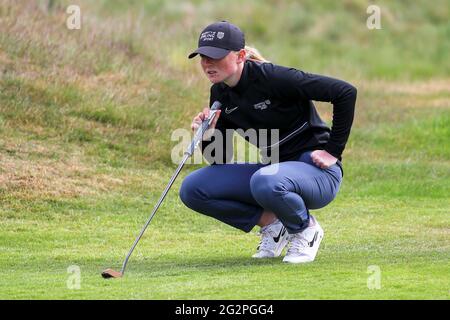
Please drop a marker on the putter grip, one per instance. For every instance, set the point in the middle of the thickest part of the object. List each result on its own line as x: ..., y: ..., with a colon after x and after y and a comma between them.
x: 203, y: 127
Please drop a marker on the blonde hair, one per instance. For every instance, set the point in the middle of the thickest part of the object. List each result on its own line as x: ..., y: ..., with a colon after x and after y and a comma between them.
x: 253, y: 54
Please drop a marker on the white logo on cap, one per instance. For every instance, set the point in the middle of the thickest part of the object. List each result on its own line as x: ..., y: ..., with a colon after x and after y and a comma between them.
x: 220, y: 34
x: 207, y: 36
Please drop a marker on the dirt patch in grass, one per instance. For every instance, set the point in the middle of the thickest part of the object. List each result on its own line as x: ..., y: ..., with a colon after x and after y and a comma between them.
x: 4, y: 59
x: 33, y: 170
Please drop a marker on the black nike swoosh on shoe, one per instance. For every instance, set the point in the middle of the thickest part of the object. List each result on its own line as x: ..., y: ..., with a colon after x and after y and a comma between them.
x: 282, y: 232
x: 314, y: 239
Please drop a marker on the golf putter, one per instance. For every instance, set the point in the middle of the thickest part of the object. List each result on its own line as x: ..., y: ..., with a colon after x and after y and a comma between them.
x: 110, y: 273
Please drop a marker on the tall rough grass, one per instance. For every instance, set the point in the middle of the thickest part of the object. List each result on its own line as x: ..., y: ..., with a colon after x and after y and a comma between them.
x: 115, y: 89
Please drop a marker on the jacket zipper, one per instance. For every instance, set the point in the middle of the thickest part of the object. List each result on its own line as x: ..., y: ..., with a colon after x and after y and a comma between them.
x: 296, y: 131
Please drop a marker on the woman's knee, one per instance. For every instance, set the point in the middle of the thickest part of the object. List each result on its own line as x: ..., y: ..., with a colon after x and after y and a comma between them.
x: 265, y: 187
x: 190, y: 193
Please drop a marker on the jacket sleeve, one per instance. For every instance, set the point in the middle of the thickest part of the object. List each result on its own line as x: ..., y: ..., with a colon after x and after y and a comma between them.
x: 290, y: 83
x: 219, y: 148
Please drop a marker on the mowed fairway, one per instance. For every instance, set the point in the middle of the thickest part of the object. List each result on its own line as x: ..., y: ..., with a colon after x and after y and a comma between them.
x: 85, y: 156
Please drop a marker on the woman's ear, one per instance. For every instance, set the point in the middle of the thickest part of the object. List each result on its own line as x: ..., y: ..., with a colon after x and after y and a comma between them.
x: 241, y: 56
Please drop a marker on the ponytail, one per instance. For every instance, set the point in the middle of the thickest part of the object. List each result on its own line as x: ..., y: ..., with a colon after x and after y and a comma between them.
x: 253, y: 54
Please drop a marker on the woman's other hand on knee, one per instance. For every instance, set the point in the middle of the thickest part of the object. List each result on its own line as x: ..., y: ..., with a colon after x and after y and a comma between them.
x: 323, y: 159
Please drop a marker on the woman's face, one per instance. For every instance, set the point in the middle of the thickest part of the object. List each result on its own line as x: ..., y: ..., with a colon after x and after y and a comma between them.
x: 221, y: 70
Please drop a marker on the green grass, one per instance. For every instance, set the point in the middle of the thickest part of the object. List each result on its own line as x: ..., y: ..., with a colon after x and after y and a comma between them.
x: 85, y: 124
x: 187, y: 256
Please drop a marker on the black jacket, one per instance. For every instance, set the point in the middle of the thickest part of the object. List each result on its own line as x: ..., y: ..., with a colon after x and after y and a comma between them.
x: 269, y: 96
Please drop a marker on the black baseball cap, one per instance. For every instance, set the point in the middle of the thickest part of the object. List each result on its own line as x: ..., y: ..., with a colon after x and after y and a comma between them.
x: 218, y: 39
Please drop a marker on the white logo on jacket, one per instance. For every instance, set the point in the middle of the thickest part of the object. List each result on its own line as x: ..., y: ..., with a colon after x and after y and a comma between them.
x: 228, y: 111
x: 262, y: 105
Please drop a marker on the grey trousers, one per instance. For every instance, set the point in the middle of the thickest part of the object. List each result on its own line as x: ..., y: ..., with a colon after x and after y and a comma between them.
x: 238, y: 193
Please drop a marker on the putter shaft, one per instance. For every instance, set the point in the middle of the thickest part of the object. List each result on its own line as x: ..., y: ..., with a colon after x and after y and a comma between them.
x: 189, y: 151
x: 166, y: 190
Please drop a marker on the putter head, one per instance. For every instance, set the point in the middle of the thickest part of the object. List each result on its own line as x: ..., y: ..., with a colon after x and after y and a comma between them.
x: 110, y: 273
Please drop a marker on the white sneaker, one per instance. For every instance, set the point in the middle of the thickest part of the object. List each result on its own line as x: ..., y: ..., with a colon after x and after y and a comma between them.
x: 303, y: 246
x: 273, y: 240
